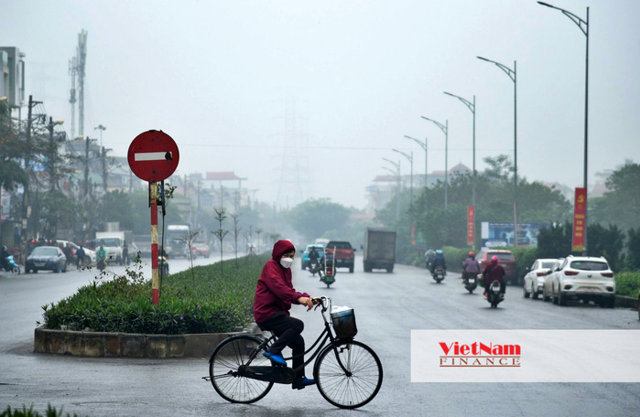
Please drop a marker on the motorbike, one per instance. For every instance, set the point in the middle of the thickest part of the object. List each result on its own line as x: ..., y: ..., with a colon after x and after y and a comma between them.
x: 314, y: 267
x: 438, y: 274
x: 11, y: 265
x: 470, y: 281
x: 101, y: 263
x: 494, y: 296
x: 328, y: 274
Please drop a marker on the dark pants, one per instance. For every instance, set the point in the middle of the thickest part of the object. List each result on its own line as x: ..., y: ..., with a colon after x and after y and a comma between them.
x: 288, y: 330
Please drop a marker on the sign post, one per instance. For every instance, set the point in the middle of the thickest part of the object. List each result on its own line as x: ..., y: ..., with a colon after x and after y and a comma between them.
x: 153, y: 156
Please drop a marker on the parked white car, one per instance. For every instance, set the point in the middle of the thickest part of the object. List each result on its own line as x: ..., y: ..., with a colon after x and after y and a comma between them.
x: 536, y: 275
x: 89, y: 255
x: 581, y: 277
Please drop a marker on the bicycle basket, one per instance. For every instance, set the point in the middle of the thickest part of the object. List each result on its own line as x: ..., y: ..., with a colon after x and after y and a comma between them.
x: 343, y: 320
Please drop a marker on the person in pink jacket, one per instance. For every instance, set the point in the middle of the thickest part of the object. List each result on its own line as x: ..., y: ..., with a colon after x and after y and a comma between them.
x: 274, y: 296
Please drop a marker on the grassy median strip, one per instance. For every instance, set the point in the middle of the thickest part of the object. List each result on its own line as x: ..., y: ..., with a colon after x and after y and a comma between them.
x: 206, y: 299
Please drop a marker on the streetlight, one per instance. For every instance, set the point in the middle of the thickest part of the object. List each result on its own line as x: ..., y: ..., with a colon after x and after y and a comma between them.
x: 101, y: 128
x: 584, y: 27
x: 410, y: 159
x: 513, y: 74
x: 423, y: 146
x: 445, y: 130
x: 397, y: 173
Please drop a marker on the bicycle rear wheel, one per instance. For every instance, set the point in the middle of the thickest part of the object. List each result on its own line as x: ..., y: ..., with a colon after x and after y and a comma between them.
x: 348, y: 374
x: 227, y: 358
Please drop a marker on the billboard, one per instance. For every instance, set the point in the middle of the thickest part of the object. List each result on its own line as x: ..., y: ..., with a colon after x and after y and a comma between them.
x: 501, y: 234
x: 579, y: 216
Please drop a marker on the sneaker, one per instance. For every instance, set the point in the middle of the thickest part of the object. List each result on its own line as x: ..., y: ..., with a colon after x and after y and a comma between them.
x: 275, y: 358
x: 302, y: 383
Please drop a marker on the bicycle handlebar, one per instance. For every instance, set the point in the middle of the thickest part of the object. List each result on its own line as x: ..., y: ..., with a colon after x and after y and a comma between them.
x: 321, y: 301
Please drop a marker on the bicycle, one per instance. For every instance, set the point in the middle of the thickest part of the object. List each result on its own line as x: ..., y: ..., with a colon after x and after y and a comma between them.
x: 348, y: 373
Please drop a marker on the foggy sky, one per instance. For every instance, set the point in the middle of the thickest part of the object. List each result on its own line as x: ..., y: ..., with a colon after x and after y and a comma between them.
x: 304, y: 99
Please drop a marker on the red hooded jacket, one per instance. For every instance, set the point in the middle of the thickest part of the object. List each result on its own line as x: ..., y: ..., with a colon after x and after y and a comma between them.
x: 275, y: 292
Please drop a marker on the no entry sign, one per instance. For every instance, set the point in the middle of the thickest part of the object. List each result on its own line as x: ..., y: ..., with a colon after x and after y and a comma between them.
x: 153, y: 156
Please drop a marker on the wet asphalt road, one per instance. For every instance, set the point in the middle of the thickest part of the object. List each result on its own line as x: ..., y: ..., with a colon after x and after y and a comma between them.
x: 387, y: 307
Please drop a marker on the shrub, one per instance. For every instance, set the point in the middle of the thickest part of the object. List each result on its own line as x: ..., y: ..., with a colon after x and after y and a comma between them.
x: 28, y: 412
x: 627, y: 283
x: 201, y: 300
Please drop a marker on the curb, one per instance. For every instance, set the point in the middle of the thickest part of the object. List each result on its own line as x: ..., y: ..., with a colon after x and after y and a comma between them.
x: 127, y: 345
x: 627, y: 302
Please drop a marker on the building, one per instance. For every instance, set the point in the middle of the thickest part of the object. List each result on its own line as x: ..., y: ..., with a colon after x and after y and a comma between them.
x: 12, y: 67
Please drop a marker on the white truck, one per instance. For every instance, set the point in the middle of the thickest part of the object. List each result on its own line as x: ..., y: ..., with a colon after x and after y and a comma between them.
x: 113, y: 243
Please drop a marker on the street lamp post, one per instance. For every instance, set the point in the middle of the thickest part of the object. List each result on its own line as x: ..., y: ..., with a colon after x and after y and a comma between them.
x: 513, y: 74
x: 101, y: 128
x: 397, y: 173
x: 424, y: 147
x: 410, y: 159
x: 445, y: 130
x: 584, y: 27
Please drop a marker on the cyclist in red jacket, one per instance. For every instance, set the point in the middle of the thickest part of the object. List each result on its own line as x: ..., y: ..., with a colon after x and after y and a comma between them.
x: 274, y: 296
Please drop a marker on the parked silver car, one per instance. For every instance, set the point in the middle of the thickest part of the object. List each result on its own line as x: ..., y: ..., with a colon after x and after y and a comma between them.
x: 581, y: 277
x: 536, y: 275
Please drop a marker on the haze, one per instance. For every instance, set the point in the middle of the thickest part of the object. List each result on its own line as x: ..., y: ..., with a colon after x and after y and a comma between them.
x: 305, y: 99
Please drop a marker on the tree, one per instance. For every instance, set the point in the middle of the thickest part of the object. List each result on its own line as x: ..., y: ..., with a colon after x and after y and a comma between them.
x: 11, y: 151
x: 621, y: 204
x: 607, y: 242
x: 313, y: 218
x: 555, y: 241
x: 633, y: 249
x: 494, y: 203
x: 220, y: 233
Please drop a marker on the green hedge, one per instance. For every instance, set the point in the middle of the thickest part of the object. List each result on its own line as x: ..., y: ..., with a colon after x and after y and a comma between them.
x: 627, y: 283
x: 206, y: 299
x: 28, y: 412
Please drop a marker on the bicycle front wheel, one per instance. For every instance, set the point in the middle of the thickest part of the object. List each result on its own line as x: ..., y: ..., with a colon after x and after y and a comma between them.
x: 348, y: 374
x: 227, y: 358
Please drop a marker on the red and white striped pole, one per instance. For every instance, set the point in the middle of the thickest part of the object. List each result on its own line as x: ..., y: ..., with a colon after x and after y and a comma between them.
x: 155, y: 280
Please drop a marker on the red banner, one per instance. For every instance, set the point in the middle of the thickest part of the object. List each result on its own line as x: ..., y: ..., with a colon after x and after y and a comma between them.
x: 579, y: 217
x: 470, y: 222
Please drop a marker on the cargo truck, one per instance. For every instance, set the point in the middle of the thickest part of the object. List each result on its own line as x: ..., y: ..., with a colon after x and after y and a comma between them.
x: 113, y: 243
x: 379, y: 249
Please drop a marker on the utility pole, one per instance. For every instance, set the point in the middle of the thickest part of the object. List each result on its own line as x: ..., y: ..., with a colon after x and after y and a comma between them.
x: 86, y: 168
x: 53, y: 155
x: 104, y: 169
x: 73, y: 69
x: 82, y: 58
x: 26, y: 209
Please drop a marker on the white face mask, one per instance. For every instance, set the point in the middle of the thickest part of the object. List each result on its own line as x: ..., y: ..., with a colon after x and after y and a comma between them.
x: 286, y: 262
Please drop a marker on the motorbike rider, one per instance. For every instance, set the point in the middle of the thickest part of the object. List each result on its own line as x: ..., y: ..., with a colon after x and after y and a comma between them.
x: 313, y: 255
x: 494, y: 271
x: 101, y: 254
x: 429, y: 257
x: 439, y: 261
x: 273, y: 299
x: 470, y: 266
